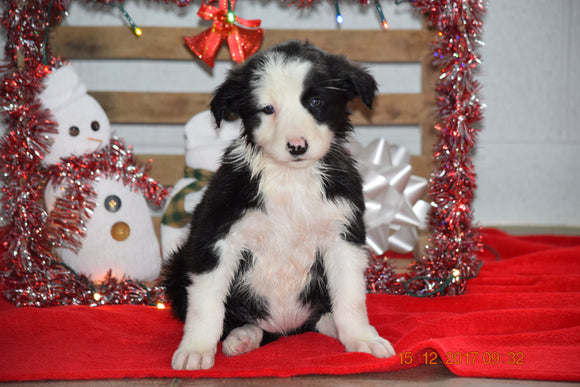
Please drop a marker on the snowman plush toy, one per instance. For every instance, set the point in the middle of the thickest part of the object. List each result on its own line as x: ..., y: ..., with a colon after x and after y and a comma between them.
x: 204, y: 146
x: 119, y: 236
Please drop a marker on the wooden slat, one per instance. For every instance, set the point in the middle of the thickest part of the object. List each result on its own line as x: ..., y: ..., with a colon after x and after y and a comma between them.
x: 429, y: 78
x: 167, y: 43
x: 151, y: 108
x: 168, y: 169
x: 389, y: 109
x: 178, y: 108
x: 422, y: 165
x: 361, y: 45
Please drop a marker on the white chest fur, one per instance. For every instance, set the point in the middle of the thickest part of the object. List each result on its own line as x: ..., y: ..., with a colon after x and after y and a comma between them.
x: 284, y: 239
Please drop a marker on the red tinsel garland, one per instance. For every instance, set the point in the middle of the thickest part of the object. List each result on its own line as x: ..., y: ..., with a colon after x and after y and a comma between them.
x: 23, y: 232
x: 29, y: 274
x: 451, y: 256
x: 77, y: 173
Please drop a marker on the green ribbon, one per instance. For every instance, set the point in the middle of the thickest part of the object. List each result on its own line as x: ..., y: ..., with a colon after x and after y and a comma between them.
x: 175, y: 215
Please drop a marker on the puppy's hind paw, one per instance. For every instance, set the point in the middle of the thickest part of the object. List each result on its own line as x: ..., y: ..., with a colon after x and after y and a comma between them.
x: 242, y: 340
x: 184, y: 359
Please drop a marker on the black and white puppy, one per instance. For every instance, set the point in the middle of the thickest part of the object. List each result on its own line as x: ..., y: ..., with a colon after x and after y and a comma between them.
x: 277, y: 244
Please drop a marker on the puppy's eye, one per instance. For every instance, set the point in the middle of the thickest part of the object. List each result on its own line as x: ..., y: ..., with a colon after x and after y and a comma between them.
x: 95, y: 126
x: 268, y: 110
x: 315, y: 102
x: 74, y: 131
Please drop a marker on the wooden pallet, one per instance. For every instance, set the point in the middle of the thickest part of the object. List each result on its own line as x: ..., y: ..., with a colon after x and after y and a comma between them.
x: 396, y: 46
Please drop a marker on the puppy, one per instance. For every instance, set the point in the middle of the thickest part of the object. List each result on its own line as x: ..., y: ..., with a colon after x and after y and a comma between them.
x: 277, y: 244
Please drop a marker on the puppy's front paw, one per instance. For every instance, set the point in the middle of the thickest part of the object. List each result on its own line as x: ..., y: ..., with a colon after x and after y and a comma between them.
x: 370, y: 342
x: 191, y: 359
x: 377, y: 347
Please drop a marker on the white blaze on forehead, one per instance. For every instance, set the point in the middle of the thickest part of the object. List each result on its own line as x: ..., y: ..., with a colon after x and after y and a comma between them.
x: 281, y: 84
x: 282, y: 80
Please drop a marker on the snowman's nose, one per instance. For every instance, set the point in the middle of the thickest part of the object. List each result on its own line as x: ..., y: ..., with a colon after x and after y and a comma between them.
x: 94, y: 139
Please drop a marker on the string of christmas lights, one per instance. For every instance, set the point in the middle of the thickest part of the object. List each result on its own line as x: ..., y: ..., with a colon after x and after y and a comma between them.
x: 31, y: 276
x: 339, y: 17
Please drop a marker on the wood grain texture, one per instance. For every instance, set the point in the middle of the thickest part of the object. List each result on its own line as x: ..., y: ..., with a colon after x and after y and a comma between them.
x: 178, y: 108
x: 166, y: 43
x: 73, y: 42
x: 429, y: 79
x: 167, y: 169
x: 151, y: 108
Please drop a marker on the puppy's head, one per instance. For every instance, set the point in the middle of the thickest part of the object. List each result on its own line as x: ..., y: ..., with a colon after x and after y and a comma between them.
x: 293, y: 100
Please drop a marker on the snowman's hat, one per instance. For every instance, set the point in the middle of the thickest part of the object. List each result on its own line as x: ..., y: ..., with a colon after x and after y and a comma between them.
x: 63, y: 86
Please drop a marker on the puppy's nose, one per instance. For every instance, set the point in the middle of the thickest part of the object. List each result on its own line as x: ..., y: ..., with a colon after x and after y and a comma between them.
x: 297, y: 146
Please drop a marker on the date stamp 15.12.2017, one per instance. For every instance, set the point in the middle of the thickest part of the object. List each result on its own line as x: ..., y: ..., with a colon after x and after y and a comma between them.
x: 488, y: 358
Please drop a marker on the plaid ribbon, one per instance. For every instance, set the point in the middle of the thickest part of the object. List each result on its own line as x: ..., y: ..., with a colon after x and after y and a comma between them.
x: 175, y: 215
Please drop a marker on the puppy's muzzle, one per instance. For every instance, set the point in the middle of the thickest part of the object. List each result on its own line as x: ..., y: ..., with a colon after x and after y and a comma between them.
x: 297, y: 146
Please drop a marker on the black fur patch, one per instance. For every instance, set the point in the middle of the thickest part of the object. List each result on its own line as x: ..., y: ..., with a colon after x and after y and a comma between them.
x: 316, y: 294
x: 243, y: 305
x: 221, y: 206
x: 342, y: 180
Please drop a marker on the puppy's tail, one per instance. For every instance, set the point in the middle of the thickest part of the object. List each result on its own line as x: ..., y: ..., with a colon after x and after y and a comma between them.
x: 175, y: 278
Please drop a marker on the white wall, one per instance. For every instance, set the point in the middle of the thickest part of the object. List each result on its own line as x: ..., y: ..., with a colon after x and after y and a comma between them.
x: 527, y: 153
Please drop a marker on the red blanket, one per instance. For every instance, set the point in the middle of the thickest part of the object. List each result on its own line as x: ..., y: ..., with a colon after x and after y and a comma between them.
x: 520, y: 318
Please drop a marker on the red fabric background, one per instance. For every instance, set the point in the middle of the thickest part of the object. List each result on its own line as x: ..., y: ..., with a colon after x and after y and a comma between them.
x: 524, y: 308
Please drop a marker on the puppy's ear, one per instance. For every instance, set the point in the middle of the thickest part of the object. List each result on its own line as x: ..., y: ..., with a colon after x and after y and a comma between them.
x: 358, y: 82
x: 227, y: 98
x: 364, y: 85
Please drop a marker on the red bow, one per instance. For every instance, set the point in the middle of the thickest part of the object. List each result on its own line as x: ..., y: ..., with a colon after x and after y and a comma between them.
x: 242, y: 42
